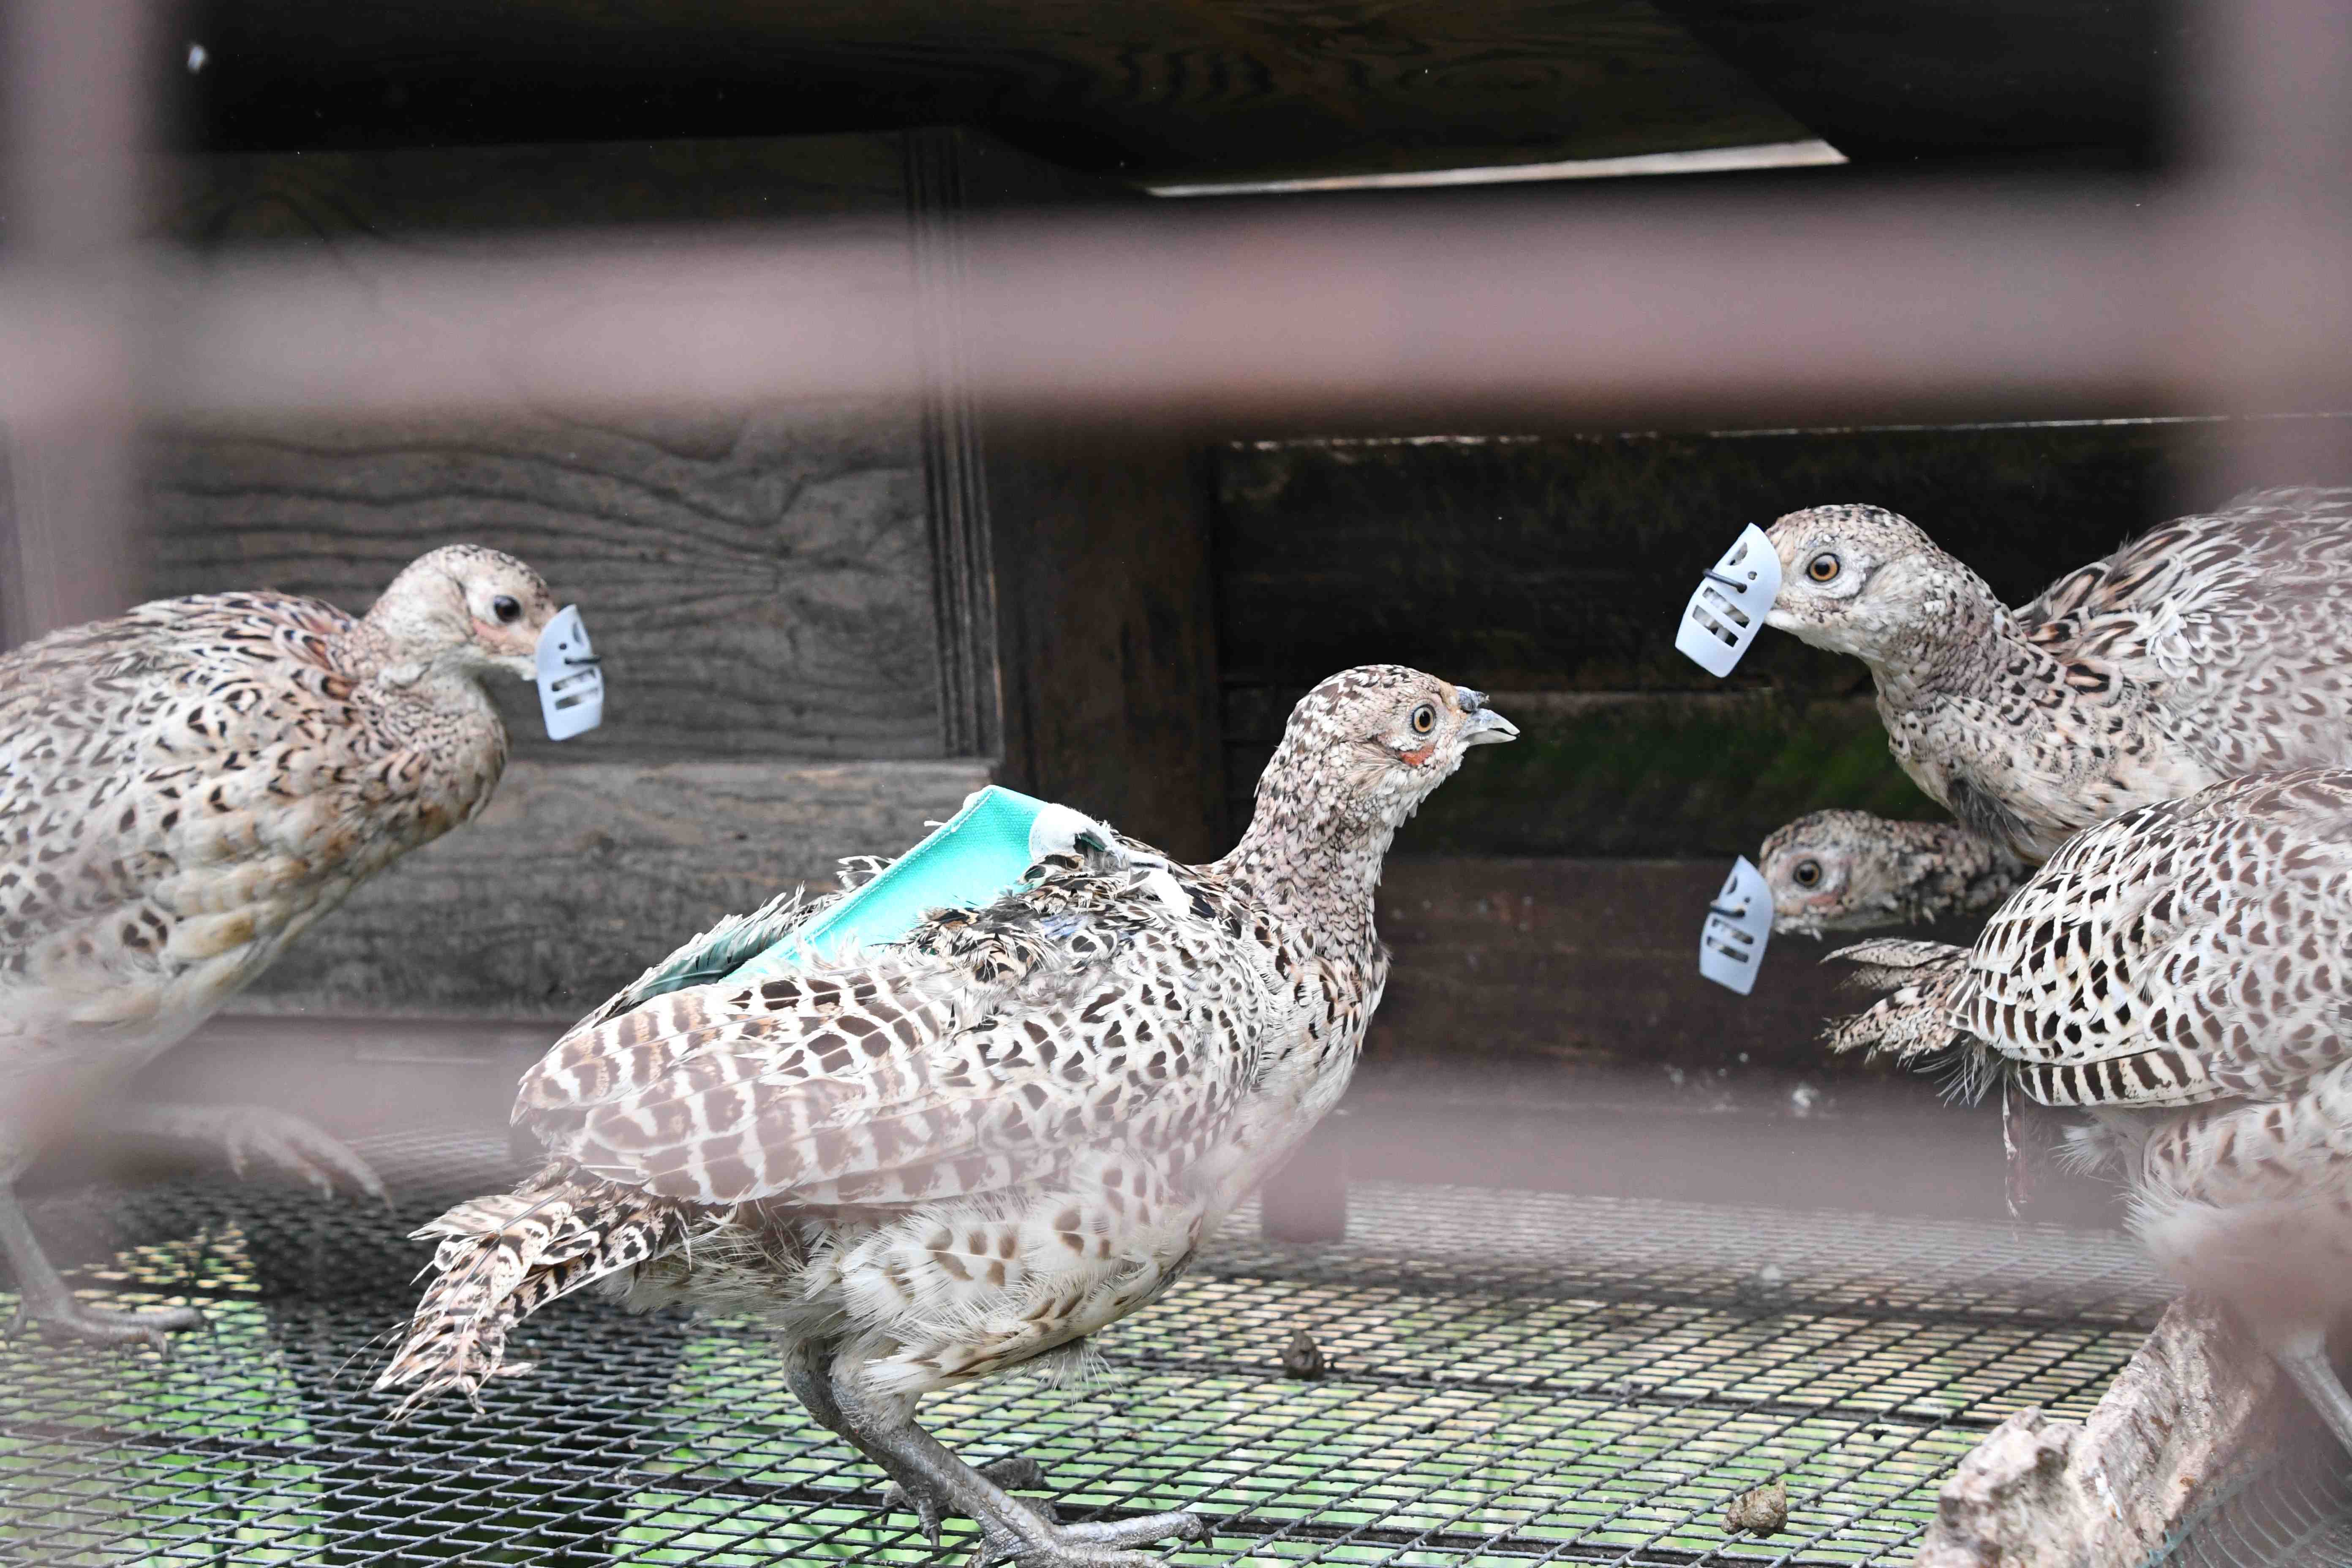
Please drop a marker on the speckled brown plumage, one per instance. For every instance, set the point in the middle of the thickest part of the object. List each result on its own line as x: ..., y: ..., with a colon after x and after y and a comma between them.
x: 2215, y: 645
x: 2185, y: 972
x: 969, y: 1149
x: 191, y: 785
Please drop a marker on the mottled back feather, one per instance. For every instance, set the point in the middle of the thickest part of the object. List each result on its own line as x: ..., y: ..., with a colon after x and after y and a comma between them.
x: 971, y: 1056
x: 2183, y: 952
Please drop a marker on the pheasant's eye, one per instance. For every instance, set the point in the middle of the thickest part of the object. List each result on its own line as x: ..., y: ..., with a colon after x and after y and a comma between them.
x: 505, y: 609
x: 1424, y: 719
x: 1824, y: 567
x: 1807, y: 874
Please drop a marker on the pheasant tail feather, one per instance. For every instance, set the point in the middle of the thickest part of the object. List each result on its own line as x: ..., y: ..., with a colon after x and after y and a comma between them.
x: 502, y: 1257
x: 1914, y: 1018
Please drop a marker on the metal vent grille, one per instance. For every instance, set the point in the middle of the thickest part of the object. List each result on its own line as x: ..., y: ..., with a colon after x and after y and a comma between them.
x: 1513, y: 1377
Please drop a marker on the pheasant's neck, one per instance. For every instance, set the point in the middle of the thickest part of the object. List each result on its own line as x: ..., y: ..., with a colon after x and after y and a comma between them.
x: 1316, y: 871
x: 1965, y: 871
x: 438, y: 689
x: 1968, y: 854
x: 2020, y: 744
x: 1967, y: 640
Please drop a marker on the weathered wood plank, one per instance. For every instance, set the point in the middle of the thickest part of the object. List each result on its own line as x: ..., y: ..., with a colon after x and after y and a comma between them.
x: 1910, y: 81
x: 1533, y: 563
x: 578, y: 875
x: 759, y: 587
x: 348, y: 203
x: 758, y: 583
x: 1632, y: 773
x: 1149, y: 88
x: 1104, y: 595
x: 1585, y: 965
x: 2198, y: 1413
x: 1095, y: 538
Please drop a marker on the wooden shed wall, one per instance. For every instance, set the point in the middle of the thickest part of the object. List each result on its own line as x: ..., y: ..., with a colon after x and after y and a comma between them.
x: 800, y: 607
x: 1545, y: 906
x: 828, y: 623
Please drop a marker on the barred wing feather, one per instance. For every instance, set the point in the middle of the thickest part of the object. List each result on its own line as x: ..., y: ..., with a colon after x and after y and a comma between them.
x: 974, y: 1057
x: 2180, y: 954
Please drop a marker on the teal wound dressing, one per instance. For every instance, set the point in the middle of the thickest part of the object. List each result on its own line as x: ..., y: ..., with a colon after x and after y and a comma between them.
x: 974, y: 857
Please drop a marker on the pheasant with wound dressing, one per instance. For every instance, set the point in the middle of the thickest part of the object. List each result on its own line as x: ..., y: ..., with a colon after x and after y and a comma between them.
x: 965, y: 1150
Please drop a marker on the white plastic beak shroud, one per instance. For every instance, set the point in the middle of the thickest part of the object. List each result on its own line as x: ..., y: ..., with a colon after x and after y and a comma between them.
x: 571, y: 680
x: 1739, y: 924
x: 1724, y: 617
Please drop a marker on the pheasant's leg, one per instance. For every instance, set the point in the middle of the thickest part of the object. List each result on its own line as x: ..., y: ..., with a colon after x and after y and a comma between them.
x: 1014, y: 1473
x: 884, y: 1429
x: 2304, y: 1358
x: 247, y: 1131
x: 807, y: 1369
x: 44, y: 1299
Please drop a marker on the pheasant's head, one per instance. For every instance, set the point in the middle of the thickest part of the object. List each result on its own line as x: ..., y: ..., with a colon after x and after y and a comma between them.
x: 1861, y: 580
x: 1365, y: 747
x: 1835, y: 870
x: 467, y: 610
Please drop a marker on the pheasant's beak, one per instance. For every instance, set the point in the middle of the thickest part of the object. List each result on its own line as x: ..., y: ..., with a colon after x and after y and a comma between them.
x: 1487, y: 728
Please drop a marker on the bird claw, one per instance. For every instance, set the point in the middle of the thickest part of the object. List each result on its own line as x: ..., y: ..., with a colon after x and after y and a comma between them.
x: 926, y: 1508
x: 247, y: 1132
x: 292, y: 1145
x: 1097, y: 1543
x: 1014, y: 1472
x: 105, y: 1325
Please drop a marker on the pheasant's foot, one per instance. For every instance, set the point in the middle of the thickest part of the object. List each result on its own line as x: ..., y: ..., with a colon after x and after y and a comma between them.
x: 247, y: 1132
x: 1097, y: 1543
x: 1014, y: 1472
x: 44, y: 1299
x: 883, y: 1428
x: 104, y: 1325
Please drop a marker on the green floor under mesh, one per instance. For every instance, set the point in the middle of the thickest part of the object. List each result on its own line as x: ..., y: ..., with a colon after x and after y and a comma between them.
x: 1513, y: 1376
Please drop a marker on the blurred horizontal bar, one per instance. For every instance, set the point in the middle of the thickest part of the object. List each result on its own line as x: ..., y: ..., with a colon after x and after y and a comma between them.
x: 1808, y: 154
x: 1680, y: 310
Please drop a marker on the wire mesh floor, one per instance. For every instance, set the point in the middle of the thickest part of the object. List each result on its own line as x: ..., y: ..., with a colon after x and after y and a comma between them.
x: 1513, y: 1377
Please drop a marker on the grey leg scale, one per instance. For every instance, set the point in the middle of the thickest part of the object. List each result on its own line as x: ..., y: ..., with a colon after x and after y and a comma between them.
x: 45, y: 1299
x: 1014, y: 1472
x: 924, y: 1468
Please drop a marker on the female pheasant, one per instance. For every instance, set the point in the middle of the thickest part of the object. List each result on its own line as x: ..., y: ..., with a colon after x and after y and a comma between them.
x: 966, y: 1151
x: 2214, y: 647
x: 190, y: 785
x: 1848, y: 870
x: 2184, y: 972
